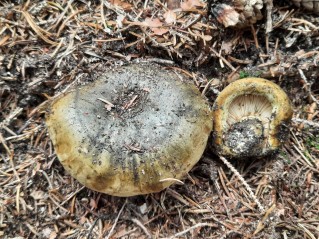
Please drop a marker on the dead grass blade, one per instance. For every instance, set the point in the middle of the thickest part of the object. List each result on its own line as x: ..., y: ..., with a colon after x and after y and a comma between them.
x: 38, y: 30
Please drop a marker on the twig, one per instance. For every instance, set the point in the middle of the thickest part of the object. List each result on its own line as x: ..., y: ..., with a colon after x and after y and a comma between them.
x: 72, y: 195
x: 222, y: 199
x: 47, y: 178
x: 137, y: 222
x: 175, y: 180
x: 57, y: 204
x: 158, y: 60
x: 192, y: 228
x: 250, y: 191
x: 309, y: 161
x: 308, y: 86
x: 31, y: 228
x: 38, y: 30
x: 307, y: 122
x: 3, y: 142
x: 306, y: 231
x: 269, y: 6
x: 18, y: 199
x: 207, y: 86
x: 66, y: 20
x: 17, y: 111
x: 4, y: 125
x: 293, y: 19
x: 91, y: 229
x: 223, y: 59
x: 261, y: 224
x: 177, y: 196
x: 255, y: 36
x: 115, y: 222
x: 59, y: 19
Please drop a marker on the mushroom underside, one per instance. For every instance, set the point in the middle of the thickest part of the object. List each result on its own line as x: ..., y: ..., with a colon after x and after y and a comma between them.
x: 248, y: 124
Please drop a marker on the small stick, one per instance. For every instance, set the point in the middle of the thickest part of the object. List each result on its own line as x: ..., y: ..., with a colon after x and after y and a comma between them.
x: 255, y: 36
x: 250, y: 191
x: 18, y: 199
x: 223, y: 59
x: 31, y: 228
x: 192, y: 228
x: 47, y: 178
x: 115, y: 222
x: 137, y: 222
x: 269, y: 6
x: 106, y: 101
x: 308, y: 86
x: 307, y: 122
x: 171, y: 179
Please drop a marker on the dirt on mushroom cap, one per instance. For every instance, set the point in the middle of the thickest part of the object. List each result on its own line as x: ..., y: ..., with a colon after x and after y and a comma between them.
x: 131, y: 130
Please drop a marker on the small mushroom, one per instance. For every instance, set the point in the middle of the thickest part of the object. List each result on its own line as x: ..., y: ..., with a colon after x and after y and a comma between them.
x: 136, y: 130
x: 250, y: 118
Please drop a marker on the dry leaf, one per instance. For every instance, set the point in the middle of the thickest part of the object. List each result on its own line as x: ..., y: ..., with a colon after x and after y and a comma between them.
x: 191, y: 5
x: 160, y: 30
x: 125, y: 5
x: 156, y: 26
x: 37, y: 195
x: 82, y: 220
x: 173, y: 4
x: 227, y: 47
x: 93, y: 203
x: 207, y: 37
x: 155, y: 22
x: 170, y: 17
x: 226, y: 15
x: 53, y: 235
x: 38, y: 30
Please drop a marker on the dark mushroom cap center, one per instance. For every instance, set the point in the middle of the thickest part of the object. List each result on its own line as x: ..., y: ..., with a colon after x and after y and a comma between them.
x: 245, y: 137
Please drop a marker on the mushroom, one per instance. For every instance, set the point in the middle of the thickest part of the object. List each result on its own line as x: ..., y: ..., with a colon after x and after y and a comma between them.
x: 135, y: 130
x: 250, y: 118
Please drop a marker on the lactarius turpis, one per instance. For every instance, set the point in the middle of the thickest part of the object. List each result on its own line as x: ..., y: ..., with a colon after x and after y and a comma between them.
x: 250, y: 118
x: 135, y: 130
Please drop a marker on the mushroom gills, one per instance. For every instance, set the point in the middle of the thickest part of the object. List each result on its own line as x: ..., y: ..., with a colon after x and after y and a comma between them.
x: 250, y: 118
x: 248, y: 124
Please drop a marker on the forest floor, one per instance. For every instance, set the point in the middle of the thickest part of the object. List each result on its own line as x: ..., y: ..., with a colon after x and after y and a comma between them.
x: 47, y: 47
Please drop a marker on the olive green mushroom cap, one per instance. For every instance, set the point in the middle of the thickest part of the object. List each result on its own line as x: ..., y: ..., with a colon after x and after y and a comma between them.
x: 133, y: 131
x: 251, y: 118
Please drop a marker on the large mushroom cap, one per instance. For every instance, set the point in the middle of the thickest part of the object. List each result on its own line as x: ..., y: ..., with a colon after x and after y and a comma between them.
x: 251, y: 118
x: 133, y: 131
